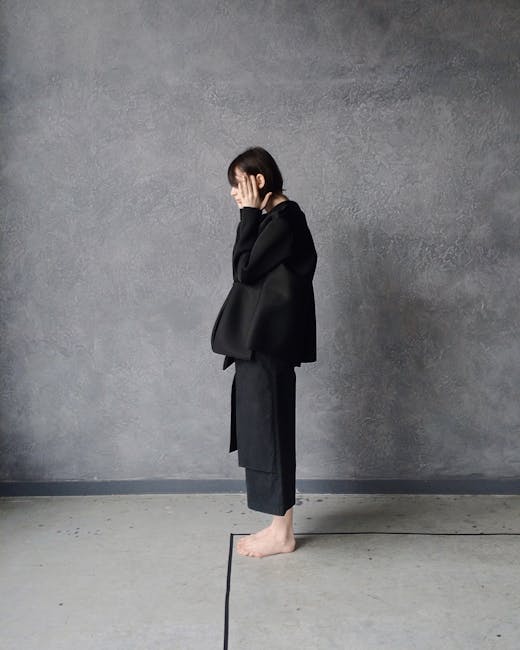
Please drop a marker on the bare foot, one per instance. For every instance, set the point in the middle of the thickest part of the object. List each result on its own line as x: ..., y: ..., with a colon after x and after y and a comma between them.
x: 266, y: 542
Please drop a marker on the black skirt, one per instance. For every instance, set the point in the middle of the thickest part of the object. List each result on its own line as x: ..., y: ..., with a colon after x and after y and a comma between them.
x: 263, y: 407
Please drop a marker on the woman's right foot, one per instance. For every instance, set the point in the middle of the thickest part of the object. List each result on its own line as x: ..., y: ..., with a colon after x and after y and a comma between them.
x: 267, y: 541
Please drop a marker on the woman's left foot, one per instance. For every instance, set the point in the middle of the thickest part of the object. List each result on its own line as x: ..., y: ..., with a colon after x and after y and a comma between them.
x: 269, y: 542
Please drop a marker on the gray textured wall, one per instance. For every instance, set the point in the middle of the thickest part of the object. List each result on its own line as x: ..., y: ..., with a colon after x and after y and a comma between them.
x: 396, y: 127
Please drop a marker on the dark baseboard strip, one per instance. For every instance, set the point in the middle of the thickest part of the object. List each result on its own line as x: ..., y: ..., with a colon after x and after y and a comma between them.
x: 313, y: 486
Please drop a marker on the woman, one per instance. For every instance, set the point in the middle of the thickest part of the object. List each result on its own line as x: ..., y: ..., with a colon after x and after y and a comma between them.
x: 267, y: 326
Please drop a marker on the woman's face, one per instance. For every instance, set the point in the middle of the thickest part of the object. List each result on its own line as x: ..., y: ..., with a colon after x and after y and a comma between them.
x: 240, y: 175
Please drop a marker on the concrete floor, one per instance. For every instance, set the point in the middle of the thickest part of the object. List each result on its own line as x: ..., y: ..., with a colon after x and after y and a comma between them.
x: 158, y: 571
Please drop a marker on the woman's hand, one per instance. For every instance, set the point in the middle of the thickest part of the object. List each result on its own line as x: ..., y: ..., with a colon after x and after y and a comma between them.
x: 248, y: 193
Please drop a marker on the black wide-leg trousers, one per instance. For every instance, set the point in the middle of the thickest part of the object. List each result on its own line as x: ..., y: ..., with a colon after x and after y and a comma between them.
x: 263, y: 407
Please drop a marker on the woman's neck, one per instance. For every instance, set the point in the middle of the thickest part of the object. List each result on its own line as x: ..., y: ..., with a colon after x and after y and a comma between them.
x: 274, y: 201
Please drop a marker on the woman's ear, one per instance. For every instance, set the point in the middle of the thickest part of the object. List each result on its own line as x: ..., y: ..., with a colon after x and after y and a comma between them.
x: 260, y: 180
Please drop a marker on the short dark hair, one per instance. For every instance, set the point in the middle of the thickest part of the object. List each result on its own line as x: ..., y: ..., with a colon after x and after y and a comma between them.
x: 257, y: 160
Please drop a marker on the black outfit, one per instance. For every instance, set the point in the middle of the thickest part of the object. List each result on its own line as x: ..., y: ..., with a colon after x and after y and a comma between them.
x: 266, y: 326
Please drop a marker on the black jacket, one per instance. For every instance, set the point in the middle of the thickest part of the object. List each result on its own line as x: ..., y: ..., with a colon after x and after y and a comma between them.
x: 270, y: 306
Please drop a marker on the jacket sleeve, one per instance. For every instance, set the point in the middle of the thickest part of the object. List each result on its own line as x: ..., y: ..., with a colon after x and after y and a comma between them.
x: 254, y: 253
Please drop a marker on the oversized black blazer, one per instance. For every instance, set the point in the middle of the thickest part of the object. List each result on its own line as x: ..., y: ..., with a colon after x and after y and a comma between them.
x: 270, y: 306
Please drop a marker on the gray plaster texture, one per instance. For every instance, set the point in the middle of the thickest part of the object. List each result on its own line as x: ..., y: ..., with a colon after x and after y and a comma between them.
x: 393, y: 572
x: 396, y: 127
